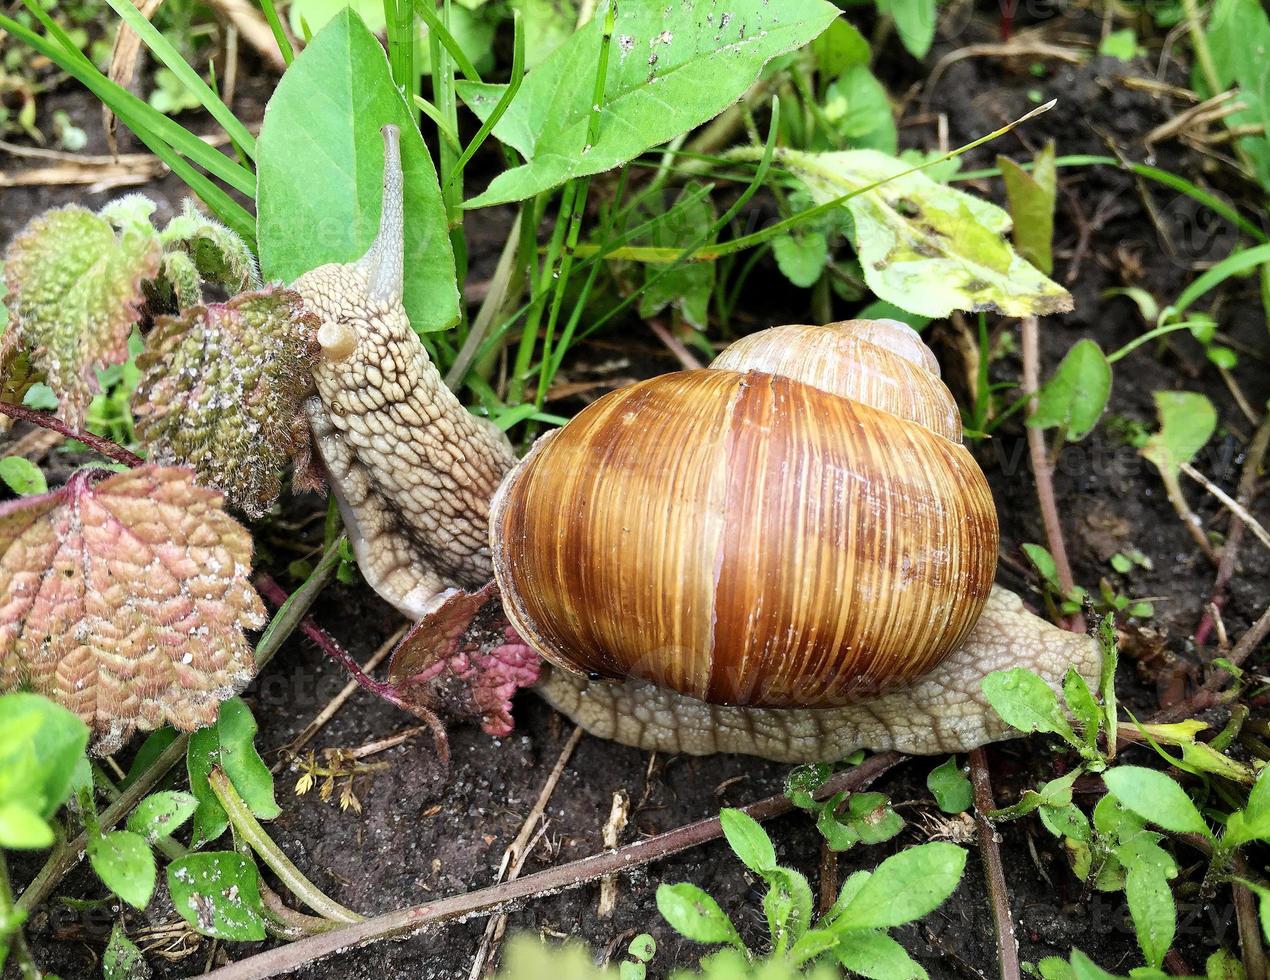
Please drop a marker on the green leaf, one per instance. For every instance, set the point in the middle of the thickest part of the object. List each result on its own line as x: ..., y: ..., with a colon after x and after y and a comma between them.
x: 1223, y: 965
x: 673, y: 67
x: 748, y: 840
x: 691, y: 284
x: 803, y: 781
x: 858, y: 106
x: 950, y: 787
x: 150, y: 750
x: 925, y: 246
x: 877, y: 956
x: 1065, y: 822
x: 1154, y: 914
x: 1024, y: 701
x: 905, y: 887
x: 320, y: 169
x: 161, y: 813
x: 1155, y: 797
x: 210, y: 820
x: 1081, y: 703
x: 236, y: 729
x: 22, y: 828
x: 1187, y: 422
x: 124, y: 862
x: 1253, y: 821
x: 1122, y: 44
x: 41, y: 745
x: 914, y: 22
x: 218, y: 894
x: 1031, y: 198
x: 122, y: 960
x: 839, y: 48
x: 22, y: 476
x: 801, y: 256
x: 643, y: 947
x: 694, y: 914
x: 787, y: 904
x: 1076, y: 396
x: 75, y: 293
x: 1043, y: 561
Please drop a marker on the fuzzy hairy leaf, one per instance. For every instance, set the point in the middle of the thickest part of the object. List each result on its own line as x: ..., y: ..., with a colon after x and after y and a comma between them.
x: 75, y: 292
x: 925, y: 246
x: 220, y: 391
x: 125, y: 600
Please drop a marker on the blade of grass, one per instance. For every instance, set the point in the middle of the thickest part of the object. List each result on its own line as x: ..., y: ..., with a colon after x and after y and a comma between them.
x: 505, y: 100
x: 399, y: 16
x: 438, y: 29
x: 443, y: 128
x: 162, y: 49
x: 1232, y: 265
x: 279, y: 35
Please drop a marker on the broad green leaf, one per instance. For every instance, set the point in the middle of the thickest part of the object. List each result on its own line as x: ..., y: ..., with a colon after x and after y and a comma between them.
x: 859, y: 108
x: 840, y: 47
x: 846, y: 895
x: 1054, y: 968
x: 1065, y: 822
x: 1155, y: 797
x: 41, y: 745
x: 1040, y: 557
x: 1024, y: 701
x: 201, y: 757
x: 877, y: 956
x: 21, y: 828
x: 218, y: 894
x: 905, y: 887
x: 320, y: 164
x: 748, y: 840
x: 694, y: 914
x: 811, y: 944
x: 236, y: 729
x: 1224, y: 965
x: 1253, y: 821
x: 671, y: 68
x: 914, y: 22
x: 1076, y: 396
x: 124, y: 862
x: 75, y: 293
x: 1031, y: 197
x: 122, y: 960
x: 1083, y: 968
x: 1154, y: 914
x: 801, y: 256
x: 1187, y: 422
x: 950, y: 787
x: 925, y: 246
x: 22, y: 476
x: 161, y: 813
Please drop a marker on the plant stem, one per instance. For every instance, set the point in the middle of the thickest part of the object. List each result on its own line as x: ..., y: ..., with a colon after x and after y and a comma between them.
x: 1042, y: 472
x: 15, y: 940
x: 1210, y: 693
x: 248, y: 827
x: 47, y: 420
x: 410, y: 921
x: 998, y: 890
x: 1254, y: 954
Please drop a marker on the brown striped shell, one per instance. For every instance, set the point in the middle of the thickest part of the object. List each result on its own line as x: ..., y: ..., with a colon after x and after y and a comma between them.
x: 797, y: 526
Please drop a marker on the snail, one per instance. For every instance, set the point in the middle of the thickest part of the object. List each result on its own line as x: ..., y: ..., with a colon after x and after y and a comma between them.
x: 788, y: 554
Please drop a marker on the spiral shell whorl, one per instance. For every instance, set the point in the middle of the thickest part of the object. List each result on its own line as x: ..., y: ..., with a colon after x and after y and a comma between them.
x: 880, y: 363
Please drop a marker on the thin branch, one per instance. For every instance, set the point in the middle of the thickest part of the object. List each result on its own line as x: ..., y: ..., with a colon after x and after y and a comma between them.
x: 1254, y: 954
x: 47, y: 420
x: 1042, y: 471
x: 994, y: 872
x: 410, y: 921
x: 1210, y: 692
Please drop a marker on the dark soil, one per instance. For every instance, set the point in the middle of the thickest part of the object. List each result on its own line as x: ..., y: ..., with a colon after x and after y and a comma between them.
x: 423, y: 833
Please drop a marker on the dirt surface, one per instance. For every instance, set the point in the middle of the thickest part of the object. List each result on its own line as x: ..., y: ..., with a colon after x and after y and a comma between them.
x: 423, y: 833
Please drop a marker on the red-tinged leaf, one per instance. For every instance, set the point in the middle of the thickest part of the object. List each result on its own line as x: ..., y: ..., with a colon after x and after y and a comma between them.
x: 465, y: 658
x: 75, y: 292
x: 124, y: 598
x: 221, y: 391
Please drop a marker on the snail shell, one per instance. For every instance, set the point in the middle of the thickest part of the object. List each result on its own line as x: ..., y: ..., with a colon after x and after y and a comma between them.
x: 797, y: 526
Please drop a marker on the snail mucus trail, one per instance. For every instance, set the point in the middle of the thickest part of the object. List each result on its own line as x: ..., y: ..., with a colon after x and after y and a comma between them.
x: 907, y: 565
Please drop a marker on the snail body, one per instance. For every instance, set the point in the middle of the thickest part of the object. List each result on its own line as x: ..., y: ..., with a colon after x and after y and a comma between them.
x: 788, y: 554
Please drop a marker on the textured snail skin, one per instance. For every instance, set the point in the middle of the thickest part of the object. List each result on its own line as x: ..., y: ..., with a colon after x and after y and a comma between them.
x: 943, y: 712
x: 413, y: 470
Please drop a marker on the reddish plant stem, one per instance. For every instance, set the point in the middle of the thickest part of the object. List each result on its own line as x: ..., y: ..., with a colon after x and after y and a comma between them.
x: 1234, y: 536
x: 410, y: 921
x: 1042, y: 470
x: 994, y: 871
x: 276, y: 594
x: 1253, y: 953
x: 47, y: 420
